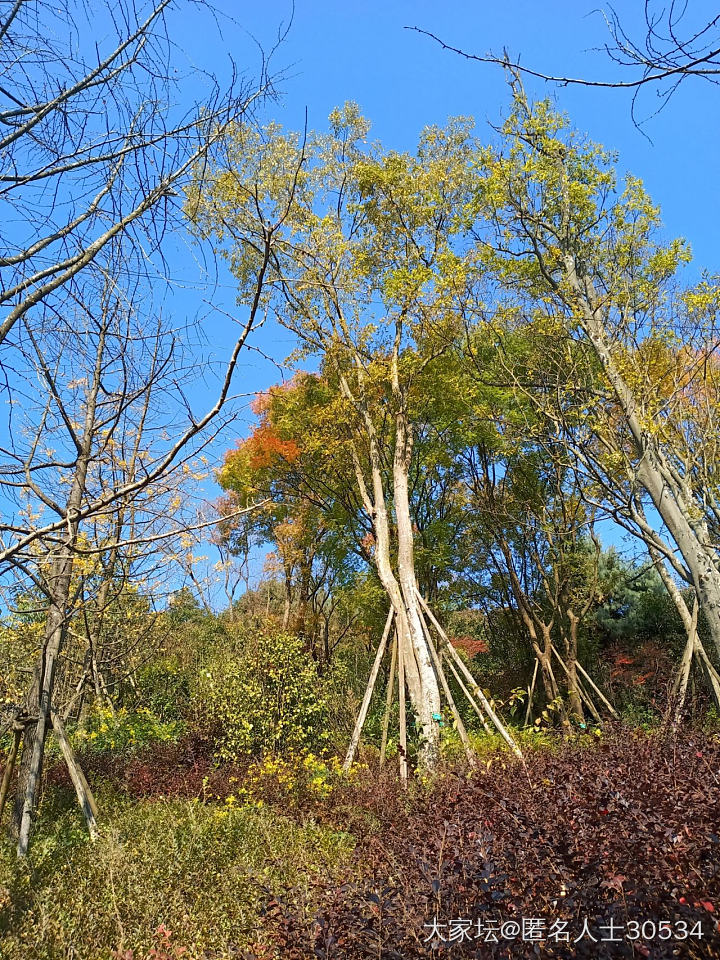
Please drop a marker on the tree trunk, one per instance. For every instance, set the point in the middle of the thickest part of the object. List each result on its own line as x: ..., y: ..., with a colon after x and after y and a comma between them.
x: 38, y: 707
x: 571, y: 645
x: 670, y: 501
x: 287, y: 584
x: 39, y: 701
x: 428, y: 707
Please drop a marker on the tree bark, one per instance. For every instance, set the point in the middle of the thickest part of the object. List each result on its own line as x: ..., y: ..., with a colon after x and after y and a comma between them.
x: 428, y: 708
x: 653, y: 473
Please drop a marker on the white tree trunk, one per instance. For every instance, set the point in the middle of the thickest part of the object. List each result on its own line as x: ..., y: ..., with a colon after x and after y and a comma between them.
x: 652, y: 471
x: 429, y: 706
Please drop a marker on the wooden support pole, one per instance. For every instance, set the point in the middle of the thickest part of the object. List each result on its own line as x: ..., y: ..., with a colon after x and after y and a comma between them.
x: 365, y: 705
x: 611, y: 709
x: 471, y: 681
x: 589, y: 703
x: 585, y: 696
x: 83, y: 791
x: 402, y: 740
x: 389, y: 698
x: 712, y: 673
x: 9, y: 767
x: 531, y: 691
x: 468, y: 695
x: 462, y: 732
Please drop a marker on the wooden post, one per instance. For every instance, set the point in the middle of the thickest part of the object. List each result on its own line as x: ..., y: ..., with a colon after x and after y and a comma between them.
x: 581, y: 690
x: 83, y: 791
x: 402, y: 741
x: 462, y: 732
x: 471, y: 680
x: 588, y: 701
x: 469, y: 696
x: 610, y: 707
x: 365, y: 705
x: 389, y: 698
x: 712, y: 673
x: 531, y: 691
x: 9, y: 767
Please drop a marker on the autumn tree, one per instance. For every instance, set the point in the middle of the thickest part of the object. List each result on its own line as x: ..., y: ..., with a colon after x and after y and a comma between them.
x: 582, y: 256
x: 293, y: 465
x: 372, y: 276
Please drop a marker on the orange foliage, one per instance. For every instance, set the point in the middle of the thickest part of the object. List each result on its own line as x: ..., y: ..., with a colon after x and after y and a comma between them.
x: 368, y: 542
x: 264, y: 445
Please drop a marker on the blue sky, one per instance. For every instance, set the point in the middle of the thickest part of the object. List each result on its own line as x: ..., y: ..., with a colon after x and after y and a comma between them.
x: 403, y: 81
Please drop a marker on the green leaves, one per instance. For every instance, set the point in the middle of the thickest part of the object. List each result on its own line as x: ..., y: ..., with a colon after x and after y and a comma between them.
x: 268, y: 701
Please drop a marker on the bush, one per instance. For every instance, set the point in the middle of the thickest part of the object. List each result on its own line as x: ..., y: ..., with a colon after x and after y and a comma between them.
x: 624, y: 829
x: 124, y: 731
x: 164, y: 688
x: 270, y: 700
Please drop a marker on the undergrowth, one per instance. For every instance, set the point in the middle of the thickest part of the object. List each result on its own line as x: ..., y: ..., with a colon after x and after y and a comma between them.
x: 288, y: 859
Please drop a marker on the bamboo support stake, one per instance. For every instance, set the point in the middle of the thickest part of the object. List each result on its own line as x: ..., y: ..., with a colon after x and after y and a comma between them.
x: 531, y: 691
x: 473, y: 704
x: 471, y: 680
x: 611, y: 708
x: 589, y: 703
x: 402, y: 740
x: 712, y: 673
x: 9, y: 767
x: 460, y: 726
x: 584, y: 695
x: 681, y: 678
x: 82, y: 789
x: 389, y: 698
x: 365, y: 706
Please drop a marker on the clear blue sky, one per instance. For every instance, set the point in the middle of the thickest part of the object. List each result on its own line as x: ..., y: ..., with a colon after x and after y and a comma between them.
x: 359, y: 50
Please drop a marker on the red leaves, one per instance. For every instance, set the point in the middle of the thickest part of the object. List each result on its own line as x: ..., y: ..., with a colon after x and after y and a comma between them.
x: 264, y: 445
x: 472, y: 646
x: 601, y: 834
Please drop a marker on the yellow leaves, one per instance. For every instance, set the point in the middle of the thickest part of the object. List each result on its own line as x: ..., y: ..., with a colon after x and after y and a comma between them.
x: 347, y: 122
x: 702, y: 300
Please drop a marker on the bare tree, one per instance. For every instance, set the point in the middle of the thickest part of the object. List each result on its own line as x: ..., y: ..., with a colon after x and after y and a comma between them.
x: 100, y: 126
x: 104, y: 423
x: 671, y: 47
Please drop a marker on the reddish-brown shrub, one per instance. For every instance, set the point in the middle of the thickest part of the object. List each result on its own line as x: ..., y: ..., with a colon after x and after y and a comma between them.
x: 622, y: 831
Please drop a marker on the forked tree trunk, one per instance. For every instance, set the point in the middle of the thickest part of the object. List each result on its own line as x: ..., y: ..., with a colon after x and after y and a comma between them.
x: 428, y: 708
x: 39, y: 701
x: 570, y: 638
x: 418, y: 672
x: 38, y: 706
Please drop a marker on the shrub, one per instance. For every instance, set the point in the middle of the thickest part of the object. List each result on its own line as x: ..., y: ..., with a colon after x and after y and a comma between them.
x: 164, y: 688
x: 269, y: 700
x: 290, y: 782
x: 624, y: 829
x: 124, y: 731
x: 165, y: 879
